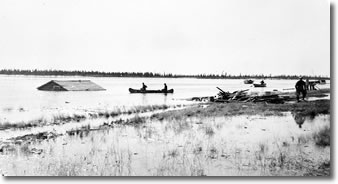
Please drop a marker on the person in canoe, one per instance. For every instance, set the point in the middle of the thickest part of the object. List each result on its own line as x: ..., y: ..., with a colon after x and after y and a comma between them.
x: 262, y: 82
x: 300, y: 88
x: 144, y: 87
x: 165, y: 89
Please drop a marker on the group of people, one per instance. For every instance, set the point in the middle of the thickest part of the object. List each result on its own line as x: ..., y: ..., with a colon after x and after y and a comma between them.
x: 302, y: 87
x: 144, y: 87
x: 310, y: 85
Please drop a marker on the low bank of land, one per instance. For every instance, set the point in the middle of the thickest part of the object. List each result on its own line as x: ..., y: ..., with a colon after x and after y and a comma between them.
x: 236, y: 138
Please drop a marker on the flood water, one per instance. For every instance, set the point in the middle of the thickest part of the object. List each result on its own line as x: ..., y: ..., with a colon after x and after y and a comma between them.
x: 222, y: 146
x: 19, y: 93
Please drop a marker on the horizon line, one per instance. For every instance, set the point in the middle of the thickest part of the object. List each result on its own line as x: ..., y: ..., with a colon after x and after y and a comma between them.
x: 152, y: 74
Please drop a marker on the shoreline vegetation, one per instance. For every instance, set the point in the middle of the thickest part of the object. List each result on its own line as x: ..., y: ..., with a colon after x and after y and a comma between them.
x: 235, y: 108
x: 59, y: 119
x: 225, y: 75
x: 192, y: 140
x: 281, y: 157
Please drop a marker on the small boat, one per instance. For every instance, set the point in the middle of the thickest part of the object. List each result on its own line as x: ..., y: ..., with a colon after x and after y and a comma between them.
x: 248, y: 81
x: 320, y: 81
x: 260, y: 85
x: 131, y: 90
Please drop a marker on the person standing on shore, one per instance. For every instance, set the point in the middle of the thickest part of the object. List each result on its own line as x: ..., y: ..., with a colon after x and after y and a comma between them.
x: 300, y: 88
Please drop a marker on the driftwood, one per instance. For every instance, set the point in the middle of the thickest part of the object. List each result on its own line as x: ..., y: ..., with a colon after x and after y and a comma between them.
x: 239, y: 94
x: 220, y: 90
x: 231, y: 96
x: 243, y: 96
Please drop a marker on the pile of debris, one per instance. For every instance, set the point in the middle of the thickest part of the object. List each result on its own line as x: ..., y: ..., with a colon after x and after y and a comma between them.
x: 243, y: 96
x: 223, y: 96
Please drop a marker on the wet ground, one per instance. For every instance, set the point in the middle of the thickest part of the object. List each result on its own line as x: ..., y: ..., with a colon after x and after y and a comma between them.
x: 220, y: 146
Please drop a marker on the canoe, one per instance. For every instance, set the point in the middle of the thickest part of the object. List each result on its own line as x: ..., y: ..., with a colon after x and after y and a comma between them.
x: 318, y: 82
x: 131, y: 90
x: 259, y: 85
x: 248, y: 81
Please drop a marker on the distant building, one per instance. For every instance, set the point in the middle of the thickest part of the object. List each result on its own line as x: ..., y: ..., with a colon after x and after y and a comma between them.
x: 70, y: 85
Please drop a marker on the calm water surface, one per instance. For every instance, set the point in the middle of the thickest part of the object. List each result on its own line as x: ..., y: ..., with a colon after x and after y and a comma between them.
x: 19, y: 93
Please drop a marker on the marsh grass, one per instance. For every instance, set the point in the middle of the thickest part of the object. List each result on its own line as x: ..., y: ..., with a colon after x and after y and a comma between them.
x: 303, y: 139
x: 81, y: 132
x: 25, y: 149
x: 311, y: 108
x: 58, y: 119
x: 209, y: 131
x: 187, y: 143
x: 33, y: 123
x: 136, y: 120
x: 322, y: 137
x: 173, y: 153
x: 107, y: 154
x: 115, y: 162
x: 61, y: 118
x: 178, y: 126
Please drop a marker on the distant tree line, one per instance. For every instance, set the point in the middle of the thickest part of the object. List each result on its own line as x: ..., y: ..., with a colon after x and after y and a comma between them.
x: 148, y: 74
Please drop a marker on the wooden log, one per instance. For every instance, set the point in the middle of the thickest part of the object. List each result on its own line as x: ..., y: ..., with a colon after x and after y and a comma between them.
x: 221, y: 90
x: 238, y: 93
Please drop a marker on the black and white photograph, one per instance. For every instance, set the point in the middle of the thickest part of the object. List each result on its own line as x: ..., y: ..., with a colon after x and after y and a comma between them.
x: 165, y: 88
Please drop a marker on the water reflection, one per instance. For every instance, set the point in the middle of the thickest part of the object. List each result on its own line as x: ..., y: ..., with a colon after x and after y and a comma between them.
x: 165, y: 98
x: 299, y: 118
x: 144, y: 99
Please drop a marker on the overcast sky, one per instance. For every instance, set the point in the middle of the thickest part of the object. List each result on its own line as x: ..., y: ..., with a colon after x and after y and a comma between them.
x: 178, y: 36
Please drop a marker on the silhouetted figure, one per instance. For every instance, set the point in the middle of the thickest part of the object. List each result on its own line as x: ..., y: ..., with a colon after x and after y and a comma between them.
x: 307, y: 84
x: 144, y: 87
x: 312, y: 85
x: 262, y: 82
x: 165, y: 87
x: 300, y: 88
